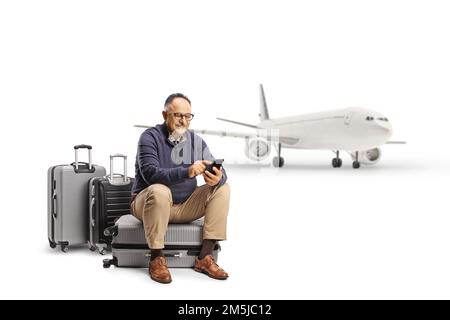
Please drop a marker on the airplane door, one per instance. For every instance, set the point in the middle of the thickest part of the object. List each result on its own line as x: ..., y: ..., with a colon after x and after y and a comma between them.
x: 348, y: 118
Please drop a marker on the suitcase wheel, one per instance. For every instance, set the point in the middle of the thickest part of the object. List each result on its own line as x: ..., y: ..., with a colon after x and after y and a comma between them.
x: 92, y: 248
x: 52, y: 244
x: 64, y: 248
x: 102, y: 251
x: 107, y: 263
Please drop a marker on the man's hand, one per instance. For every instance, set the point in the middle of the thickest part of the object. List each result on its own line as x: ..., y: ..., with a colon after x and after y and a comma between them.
x: 198, y: 167
x: 213, y: 179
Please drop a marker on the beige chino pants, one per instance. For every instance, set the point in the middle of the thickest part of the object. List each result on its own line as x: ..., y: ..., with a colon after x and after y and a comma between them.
x: 155, y: 208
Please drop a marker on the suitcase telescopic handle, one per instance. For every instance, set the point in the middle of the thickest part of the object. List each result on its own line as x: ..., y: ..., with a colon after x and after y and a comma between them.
x: 111, y: 168
x: 82, y: 146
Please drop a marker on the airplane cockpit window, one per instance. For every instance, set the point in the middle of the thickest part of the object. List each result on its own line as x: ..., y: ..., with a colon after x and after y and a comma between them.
x: 369, y: 118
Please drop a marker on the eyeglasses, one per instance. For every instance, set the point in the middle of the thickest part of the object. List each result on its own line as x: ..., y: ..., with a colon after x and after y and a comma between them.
x: 179, y: 116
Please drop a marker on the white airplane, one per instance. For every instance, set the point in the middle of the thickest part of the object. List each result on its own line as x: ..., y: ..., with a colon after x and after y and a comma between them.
x: 359, y: 131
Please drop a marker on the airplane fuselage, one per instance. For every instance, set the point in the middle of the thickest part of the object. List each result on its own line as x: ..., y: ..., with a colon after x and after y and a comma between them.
x: 351, y: 128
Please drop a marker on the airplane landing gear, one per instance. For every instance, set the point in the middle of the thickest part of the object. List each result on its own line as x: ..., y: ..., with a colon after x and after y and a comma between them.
x: 356, y: 163
x: 336, y: 162
x: 278, y: 162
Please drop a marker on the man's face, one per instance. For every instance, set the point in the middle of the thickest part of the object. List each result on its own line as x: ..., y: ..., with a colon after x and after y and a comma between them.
x: 179, y: 105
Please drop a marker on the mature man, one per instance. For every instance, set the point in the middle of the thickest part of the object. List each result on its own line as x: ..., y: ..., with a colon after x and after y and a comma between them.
x: 168, y: 159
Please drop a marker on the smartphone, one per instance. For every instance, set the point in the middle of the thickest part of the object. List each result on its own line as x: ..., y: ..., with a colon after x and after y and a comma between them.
x: 216, y: 163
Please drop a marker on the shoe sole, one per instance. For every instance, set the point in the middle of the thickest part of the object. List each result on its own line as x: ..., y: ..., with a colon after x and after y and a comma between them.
x: 160, y: 280
x: 204, y: 272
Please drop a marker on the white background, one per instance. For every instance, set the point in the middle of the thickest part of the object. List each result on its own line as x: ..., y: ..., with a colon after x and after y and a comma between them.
x: 76, y: 72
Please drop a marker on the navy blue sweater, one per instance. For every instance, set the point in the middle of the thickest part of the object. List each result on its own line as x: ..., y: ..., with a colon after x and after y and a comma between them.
x: 158, y: 161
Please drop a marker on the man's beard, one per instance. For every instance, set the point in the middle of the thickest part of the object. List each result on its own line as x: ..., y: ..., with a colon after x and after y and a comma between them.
x: 178, y: 132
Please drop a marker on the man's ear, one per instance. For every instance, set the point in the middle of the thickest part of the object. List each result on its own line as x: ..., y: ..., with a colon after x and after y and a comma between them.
x: 164, y: 114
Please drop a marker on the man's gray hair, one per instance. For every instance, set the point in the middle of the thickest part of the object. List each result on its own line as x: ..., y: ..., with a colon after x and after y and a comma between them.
x: 172, y: 97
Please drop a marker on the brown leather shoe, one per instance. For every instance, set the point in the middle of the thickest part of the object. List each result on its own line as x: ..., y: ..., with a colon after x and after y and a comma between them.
x: 208, y: 266
x: 158, y: 270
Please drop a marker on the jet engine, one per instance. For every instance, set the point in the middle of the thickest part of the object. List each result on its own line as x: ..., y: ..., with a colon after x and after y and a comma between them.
x: 257, y: 148
x: 370, y: 156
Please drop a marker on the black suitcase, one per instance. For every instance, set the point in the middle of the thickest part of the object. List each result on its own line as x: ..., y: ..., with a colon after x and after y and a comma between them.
x: 109, y: 199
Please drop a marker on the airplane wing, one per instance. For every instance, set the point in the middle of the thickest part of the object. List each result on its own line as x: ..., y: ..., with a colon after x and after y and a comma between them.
x: 396, y: 142
x: 239, y: 123
x: 223, y: 133
x: 213, y: 132
x: 143, y: 126
x: 232, y: 134
x: 285, y: 140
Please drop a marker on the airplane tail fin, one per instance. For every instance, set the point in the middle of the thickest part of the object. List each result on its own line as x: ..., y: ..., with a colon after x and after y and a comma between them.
x: 263, y: 112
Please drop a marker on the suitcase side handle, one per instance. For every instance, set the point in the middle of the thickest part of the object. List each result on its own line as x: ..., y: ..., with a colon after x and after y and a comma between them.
x: 83, y: 146
x: 168, y: 254
x: 55, y: 203
x: 91, y: 211
x: 126, y: 180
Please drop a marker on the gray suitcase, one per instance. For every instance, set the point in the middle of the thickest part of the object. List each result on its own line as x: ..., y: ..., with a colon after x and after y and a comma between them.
x: 109, y: 199
x: 67, y: 201
x: 182, y: 244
